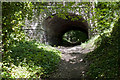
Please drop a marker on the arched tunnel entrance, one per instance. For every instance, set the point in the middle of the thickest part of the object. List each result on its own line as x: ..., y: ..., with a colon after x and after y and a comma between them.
x: 57, y: 27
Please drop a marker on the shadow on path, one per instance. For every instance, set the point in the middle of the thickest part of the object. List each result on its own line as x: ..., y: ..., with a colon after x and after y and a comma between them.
x: 73, y: 63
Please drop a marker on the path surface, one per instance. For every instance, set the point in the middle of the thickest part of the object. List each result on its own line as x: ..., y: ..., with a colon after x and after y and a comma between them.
x: 73, y: 64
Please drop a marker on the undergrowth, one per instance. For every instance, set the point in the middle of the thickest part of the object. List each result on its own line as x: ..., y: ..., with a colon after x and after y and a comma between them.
x: 29, y: 59
x: 104, y: 59
x: 95, y: 41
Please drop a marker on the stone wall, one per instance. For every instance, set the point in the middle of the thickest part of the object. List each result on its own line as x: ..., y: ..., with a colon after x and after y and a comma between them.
x: 39, y: 28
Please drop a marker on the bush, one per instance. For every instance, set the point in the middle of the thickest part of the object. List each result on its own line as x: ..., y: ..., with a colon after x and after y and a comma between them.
x: 32, y: 58
x: 104, y: 59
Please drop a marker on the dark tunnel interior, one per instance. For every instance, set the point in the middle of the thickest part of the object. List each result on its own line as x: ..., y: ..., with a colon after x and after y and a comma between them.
x: 57, y: 27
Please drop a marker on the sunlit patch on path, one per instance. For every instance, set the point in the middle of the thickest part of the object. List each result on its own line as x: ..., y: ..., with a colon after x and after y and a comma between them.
x: 73, y: 63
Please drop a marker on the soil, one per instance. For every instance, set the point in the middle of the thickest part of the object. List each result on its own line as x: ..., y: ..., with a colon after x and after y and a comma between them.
x: 73, y: 63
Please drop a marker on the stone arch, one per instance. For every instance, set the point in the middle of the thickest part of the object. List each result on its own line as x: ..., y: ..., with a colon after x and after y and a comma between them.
x: 56, y: 27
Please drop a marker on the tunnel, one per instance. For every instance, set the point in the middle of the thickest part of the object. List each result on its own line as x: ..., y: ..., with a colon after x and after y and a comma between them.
x: 56, y: 27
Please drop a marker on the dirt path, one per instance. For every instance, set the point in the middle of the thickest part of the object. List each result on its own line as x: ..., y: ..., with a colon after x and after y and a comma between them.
x: 73, y: 64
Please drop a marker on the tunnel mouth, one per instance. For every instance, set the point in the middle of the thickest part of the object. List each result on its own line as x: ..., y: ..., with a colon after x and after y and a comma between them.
x: 74, y: 37
x: 56, y: 27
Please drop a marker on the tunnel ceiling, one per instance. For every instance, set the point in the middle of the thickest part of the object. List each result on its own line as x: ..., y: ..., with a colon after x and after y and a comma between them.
x: 56, y: 27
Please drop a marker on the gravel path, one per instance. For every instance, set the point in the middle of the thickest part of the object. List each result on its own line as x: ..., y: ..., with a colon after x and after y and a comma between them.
x: 73, y: 64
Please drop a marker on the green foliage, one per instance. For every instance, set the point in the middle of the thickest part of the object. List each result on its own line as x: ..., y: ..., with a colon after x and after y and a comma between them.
x: 21, y: 58
x: 24, y: 59
x: 13, y: 17
x: 29, y: 59
x: 75, y: 36
x: 101, y: 16
x: 104, y: 59
x: 14, y: 14
x: 105, y: 13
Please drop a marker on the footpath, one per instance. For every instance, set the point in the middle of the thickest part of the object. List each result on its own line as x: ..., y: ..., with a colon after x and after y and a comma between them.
x: 73, y: 63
